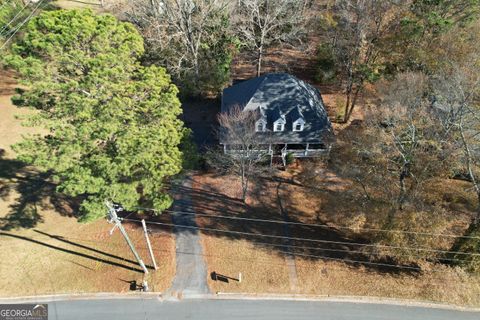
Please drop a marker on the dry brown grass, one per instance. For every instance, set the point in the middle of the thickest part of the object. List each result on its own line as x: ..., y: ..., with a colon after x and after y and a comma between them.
x: 335, y: 278
x: 77, y: 4
x: 264, y: 268
x: 117, y: 7
x: 52, y: 252
x: 11, y: 129
x: 61, y: 256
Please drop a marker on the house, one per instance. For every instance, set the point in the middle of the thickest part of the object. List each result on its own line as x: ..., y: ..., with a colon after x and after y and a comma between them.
x: 290, y: 115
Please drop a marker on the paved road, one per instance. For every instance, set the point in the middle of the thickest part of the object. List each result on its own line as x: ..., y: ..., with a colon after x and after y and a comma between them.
x: 136, y: 309
x: 191, y: 270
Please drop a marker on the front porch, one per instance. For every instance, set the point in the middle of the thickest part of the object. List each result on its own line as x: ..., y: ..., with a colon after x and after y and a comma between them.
x: 305, y: 150
x: 297, y: 150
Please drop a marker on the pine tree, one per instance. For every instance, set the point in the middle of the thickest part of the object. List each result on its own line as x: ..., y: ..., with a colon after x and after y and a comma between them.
x: 112, y: 124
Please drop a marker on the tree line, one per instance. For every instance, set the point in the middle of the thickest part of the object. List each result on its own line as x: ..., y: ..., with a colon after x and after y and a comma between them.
x: 419, y: 61
x: 196, y: 40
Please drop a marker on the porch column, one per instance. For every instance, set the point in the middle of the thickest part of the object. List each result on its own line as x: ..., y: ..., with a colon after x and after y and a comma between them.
x: 306, y: 149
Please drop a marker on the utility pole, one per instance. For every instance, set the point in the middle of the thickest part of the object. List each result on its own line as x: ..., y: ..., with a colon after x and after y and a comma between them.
x: 149, y: 245
x: 113, y: 218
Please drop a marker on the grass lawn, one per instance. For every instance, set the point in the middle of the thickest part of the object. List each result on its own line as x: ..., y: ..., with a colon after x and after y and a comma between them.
x: 44, y: 250
x: 59, y: 256
x: 264, y: 270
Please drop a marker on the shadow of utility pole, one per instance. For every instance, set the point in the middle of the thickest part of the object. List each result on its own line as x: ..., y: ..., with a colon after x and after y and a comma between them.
x: 60, y: 238
x: 83, y: 255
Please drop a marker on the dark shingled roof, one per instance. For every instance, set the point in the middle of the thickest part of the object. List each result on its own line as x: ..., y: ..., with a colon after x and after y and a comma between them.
x: 281, y: 93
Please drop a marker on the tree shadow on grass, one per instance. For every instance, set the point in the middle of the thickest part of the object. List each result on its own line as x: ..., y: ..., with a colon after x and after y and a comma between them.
x: 34, y: 193
x: 80, y: 254
x: 272, y: 201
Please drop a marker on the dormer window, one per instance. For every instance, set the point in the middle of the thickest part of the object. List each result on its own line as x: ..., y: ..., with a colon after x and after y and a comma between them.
x: 298, y: 122
x: 279, y: 126
x: 261, y: 125
x: 279, y: 123
x: 279, y: 120
x: 298, y: 125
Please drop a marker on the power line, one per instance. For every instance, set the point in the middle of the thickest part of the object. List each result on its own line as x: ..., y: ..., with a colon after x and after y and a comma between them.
x: 267, y: 262
x: 333, y: 250
x: 293, y: 253
x: 330, y: 226
x: 380, y: 264
x: 21, y: 24
x: 15, y: 17
x: 325, y: 249
x: 60, y: 238
x: 298, y: 254
x: 18, y: 26
x: 328, y: 249
x: 306, y: 239
x: 221, y: 256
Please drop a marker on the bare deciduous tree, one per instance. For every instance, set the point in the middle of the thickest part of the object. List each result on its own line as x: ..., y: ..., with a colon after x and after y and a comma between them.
x: 457, y: 96
x: 245, y: 151
x: 263, y: 23
x: 358, y: 32
x: 411, y: 130
x: 180, y: 29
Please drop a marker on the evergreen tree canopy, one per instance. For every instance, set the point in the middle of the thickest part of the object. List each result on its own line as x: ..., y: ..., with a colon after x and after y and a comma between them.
x: 112, y: 125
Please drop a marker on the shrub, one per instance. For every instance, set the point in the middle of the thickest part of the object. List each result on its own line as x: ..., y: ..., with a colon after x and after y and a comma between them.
x: 325, y: 72
x: 418, y: 225
x: 289, y: 158
x: 470, y: 263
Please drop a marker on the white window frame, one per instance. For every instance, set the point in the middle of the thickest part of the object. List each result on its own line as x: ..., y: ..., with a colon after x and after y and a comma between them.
x: 260, y: 123
x: 296, y: 123
x: 276, y: 125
